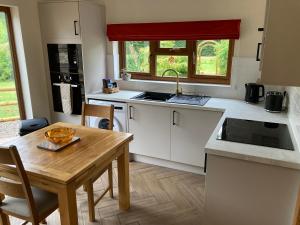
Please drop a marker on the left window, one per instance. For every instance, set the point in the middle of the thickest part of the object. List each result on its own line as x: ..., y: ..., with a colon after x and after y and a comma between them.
x: 137, y: 56
x: 11, y: 100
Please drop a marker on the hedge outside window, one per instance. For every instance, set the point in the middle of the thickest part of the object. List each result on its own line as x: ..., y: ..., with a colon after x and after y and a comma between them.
x: 202, y: 61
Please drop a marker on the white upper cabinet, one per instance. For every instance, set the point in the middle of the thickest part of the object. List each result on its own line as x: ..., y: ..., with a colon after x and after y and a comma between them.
x: 190, y: 132
x: 281, y: 45
x: 60, y: 21
x: 93, y: 39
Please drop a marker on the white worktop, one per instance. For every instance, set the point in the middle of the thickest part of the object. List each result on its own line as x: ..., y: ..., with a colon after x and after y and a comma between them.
x: 234, y: 109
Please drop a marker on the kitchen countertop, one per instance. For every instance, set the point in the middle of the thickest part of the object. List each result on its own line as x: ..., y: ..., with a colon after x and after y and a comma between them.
x: 234, y: 109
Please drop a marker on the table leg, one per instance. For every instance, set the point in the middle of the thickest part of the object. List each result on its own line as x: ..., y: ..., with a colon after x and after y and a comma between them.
x: 91, y: 203
x: 68, y: 206
x: 123, y: 179
x: 4, y: 220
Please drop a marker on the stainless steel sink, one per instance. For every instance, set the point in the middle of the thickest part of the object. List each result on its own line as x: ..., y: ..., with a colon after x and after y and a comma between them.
x: 189, y: 99
x: 154, y: 96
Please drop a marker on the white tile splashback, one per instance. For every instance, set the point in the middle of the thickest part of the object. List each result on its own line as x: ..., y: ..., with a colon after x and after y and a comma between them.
x: 294, y: 111
x: 244, y: 70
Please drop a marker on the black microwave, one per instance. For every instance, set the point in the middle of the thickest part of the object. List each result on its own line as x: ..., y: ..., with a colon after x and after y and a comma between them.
x: 65, y: 57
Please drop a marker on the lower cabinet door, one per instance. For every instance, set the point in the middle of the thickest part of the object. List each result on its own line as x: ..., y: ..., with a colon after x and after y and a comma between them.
x: 150, y: 126
x: 190, y: 131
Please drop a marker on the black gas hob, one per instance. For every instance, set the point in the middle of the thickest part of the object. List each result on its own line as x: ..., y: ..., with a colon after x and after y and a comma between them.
x: 274, y: 135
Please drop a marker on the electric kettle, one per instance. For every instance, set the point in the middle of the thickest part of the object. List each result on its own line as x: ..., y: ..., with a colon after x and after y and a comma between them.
x: 254, y: 92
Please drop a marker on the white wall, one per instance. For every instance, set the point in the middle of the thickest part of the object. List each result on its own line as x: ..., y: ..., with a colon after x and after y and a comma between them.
x: 250, y: 11
x: 30, y: 56
x: 245, y: 68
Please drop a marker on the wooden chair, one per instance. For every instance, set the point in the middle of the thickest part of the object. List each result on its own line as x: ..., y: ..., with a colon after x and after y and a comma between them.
x: 106, y: 112
x: 18, y: 198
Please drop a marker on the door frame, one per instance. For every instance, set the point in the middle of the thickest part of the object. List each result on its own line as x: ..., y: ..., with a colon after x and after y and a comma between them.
x: 15, y: 62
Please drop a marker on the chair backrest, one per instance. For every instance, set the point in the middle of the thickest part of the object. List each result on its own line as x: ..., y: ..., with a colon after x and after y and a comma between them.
x: 13, y: 178
x: 98, y: 111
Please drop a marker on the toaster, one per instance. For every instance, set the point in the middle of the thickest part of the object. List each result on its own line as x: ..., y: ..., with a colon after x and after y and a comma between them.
x: 274, y: 101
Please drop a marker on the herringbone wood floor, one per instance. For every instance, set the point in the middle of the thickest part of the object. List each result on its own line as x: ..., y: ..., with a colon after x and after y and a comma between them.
x: 159, y: 196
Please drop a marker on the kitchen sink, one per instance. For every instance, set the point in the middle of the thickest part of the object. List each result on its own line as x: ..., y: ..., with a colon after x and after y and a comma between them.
x: 172, y: 98
x: 189, y: 99
x: 154, y: 96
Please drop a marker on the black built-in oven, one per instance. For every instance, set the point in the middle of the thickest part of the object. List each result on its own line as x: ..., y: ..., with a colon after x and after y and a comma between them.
x: 65, y: 63
x: 65, y: 57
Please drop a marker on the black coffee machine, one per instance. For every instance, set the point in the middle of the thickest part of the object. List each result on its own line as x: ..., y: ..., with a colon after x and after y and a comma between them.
x: 254, y: 92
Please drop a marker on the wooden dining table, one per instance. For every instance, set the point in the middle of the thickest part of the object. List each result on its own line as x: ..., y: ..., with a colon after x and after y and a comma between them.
x: 64, y: 171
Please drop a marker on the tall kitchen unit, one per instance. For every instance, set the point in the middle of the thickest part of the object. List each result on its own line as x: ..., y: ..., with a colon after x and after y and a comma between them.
x: 81, y: 23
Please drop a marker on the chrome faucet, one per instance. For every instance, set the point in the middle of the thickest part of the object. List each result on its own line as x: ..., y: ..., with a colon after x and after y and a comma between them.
x: 178, y: 92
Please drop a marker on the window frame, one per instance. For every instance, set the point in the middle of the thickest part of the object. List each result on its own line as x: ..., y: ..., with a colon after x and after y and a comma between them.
x: 14, y: 57
x: 190, y: 51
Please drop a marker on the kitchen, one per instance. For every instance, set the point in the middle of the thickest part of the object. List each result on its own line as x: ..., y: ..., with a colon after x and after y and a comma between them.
x: 242, y: 158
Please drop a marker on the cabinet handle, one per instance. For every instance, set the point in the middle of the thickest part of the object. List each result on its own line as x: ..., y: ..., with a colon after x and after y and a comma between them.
x: 174, y: 123
x: 75, y: 27
x: 258, y: 52
x: 205, y: 163
x: 130, y: 112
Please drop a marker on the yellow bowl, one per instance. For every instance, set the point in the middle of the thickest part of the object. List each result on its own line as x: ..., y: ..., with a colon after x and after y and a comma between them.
x: 60, y: 135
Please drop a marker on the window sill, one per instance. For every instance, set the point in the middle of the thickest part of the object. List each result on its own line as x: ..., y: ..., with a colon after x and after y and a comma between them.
x: 154, y: 82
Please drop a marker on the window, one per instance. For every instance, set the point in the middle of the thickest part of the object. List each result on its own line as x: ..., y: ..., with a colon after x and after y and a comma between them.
x: 137, y: 56
x: 165, y: 64
x: 212, y: 57
x: 11, y: 100
x: 202, y: 61
x: 172, y: 44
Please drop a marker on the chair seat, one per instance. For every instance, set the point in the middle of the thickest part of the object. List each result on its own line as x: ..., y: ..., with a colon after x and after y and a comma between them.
x: 44, y: 202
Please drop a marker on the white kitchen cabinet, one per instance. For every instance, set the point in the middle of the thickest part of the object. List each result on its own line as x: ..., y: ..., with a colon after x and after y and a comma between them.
x: 242, y: 192
x: 57, y: 27
x: 174, y: 134
x: 60, y: 21
x: 190, y: 131
x: 151, y: 128
x: 93, y: 39
x: 280, y: 51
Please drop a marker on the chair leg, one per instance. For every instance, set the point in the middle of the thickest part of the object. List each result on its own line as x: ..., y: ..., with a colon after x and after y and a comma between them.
x: 90, y: 193
x: 110, y: 180
x: 4, y: 219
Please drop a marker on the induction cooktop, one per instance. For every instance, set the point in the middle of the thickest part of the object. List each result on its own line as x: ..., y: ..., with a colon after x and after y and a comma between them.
x: 274, y: 135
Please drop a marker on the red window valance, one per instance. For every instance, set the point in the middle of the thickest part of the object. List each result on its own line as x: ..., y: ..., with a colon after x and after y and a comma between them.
x: 196, y: 30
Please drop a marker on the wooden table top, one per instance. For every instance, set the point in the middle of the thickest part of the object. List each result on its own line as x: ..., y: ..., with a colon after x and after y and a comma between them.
x: 65, y: 165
